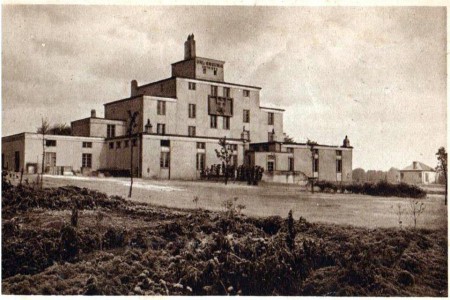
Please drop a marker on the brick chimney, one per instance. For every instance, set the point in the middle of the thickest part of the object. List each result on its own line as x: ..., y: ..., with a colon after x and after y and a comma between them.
x: 93, y: 113
x: 189, y: 47
x: 415, y: 165
x: 134, y: 87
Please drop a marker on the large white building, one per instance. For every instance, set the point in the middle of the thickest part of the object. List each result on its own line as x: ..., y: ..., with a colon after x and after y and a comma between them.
x: 179, y: 122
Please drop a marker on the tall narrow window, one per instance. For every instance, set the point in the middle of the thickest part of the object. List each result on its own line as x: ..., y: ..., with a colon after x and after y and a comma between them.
x: 270, y: 136
x: 164, y: 160
x: 291, y: 164
x: 246, y: 93
x: 200, y: 161
x: 316, y: 164
x: 270, y: 118
x: 213, y: 90
x: 161, y: 128
x: 161, y: 107
x: 226, y: 92
x: 270, y: 165
x: 215, y: 71
x: 192, y: 109
x: 213, y: 121
x: 246, y: 116
x: 226, y: 123
x: 204, y: 70
x: 192, y: 85
x: 234, y: 160
x: 86, y: 160
x: 110, y: 130
x: 191, y: 130
x: 338, y: 166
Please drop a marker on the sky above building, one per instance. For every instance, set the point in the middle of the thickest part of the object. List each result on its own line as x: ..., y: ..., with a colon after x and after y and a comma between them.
x: 376, y: 74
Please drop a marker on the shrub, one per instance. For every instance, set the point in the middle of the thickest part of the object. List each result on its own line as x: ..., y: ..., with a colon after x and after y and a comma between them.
x: 69, y: 243
x: 405, y: 278
x: 114, y: 238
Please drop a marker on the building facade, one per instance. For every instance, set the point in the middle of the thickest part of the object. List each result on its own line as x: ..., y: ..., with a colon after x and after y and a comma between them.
x: 178, y: 125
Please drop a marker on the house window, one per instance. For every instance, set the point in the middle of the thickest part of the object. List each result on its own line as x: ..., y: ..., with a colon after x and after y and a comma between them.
x: 161, y: 108
x: 111, y: 145
x: 246, y: 93
x: 192, y: 86
x: 215, y: 72
x: 234, y: 161
x: 290, y: 150
x: 165, y: 143
x: 165, y: 160
x: 291, y: 163
x: 118, y: 144
x: 420, y: 175
x: 226, y: 122
x: 233, y: 147
x: 200, y: 161
x: 213, y: 90
x: 226, y: 92
x: 50, y: 143
x: 204, y: 70
x: 316, y: 165
x: 50, y: 159
x: 338, y: 166
x: 127, y: 143
x: 402, y: 175
x: 200, y: 145
x: 213, y: 121
x: 192, y: 110
x: 270, y: 118
x: 134, y: 143
x: 161, y: 128
x: 191, y: 130
x: 110, y: 130
x: 86, y: 160
x: 338, y: 152
x: 87, y: 144
x: 246, y: 116
x: 270, y: 165
x: 270, y: 136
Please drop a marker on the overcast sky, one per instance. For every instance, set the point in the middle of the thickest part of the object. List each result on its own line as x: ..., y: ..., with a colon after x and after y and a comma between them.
x: 377, y: 75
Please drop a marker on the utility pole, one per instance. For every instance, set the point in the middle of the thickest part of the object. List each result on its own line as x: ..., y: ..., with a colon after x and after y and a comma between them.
x: 131, y: 125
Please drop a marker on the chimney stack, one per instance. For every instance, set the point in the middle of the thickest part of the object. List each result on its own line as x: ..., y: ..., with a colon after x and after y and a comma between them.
x: 134, y: 87
x: 415, y: 165
x: 189, y: 47
x: 93, y: 113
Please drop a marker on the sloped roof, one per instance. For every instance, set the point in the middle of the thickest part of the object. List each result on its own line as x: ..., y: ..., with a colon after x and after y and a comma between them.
x: 418, y: 166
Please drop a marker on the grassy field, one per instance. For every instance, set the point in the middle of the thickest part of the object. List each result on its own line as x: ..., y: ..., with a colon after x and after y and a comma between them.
x: 268, y: 200
x: 75, y: 241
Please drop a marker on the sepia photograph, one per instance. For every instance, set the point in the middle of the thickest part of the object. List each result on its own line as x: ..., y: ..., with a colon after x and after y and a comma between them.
x: 214, y: 150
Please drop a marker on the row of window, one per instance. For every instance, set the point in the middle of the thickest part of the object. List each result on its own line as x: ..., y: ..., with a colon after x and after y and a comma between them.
x: 119, y: 144
x: 52, y: 143
x: 226, y: 90
x: 271, y: 165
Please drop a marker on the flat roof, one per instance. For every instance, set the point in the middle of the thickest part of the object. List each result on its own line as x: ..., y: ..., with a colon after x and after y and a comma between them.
x: 184, y: 60
x: 204, y: 80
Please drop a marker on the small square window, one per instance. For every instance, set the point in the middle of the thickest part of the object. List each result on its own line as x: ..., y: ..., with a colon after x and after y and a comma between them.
x: 50, y: 143
x: 87, y: 144
x: 246, y: 93
x: 192, y: 86
x: 111, y: 145
x: 165, y: 143
x: 200, y: 145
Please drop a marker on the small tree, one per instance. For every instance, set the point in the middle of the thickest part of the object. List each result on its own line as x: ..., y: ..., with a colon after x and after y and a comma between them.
x: 61, y: 129
x: 131, y: 125
x: 416, y: 208
x: 43, y: 129
x: 290, y: 238
x: 442, y: 167
x: 225, y: 154
x: 311, y: 145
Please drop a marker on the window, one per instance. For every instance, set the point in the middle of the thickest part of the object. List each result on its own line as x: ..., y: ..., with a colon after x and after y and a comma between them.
x: 200, y: 161
x: 290, y: 149
x: 234, y: 160
x: 246, y: 93
x: 246, y: 116
x: 86, y: 160
x: 316, y: 165
x: 192, y: 85
x: 338, y: 166
x: 200, y: 145
x: 270, y: 166
x: 291, y: 163
x: 192, y: 109
x: 161, y: 108
x: 270, y: 119
x: 233, y: 147
x: 87, y: 144
x: 127, y: 143
x: 204, y: 70
x: 338, y: 152
x: 245, y: 135
x: 161, y: 128
x: 118, y: 144
x: 111, y: 145
x: 226, y: 92
x: 134, y: 143
x: 50, y: 159
x: 226, y: 122
x: 213, y: 121
x: 110, y: 130
x: 50, y: 143
x: 213, y: 90
x: 215, y: 72
x: 191, y: 130
x: 270, y: 136
x: 402, y: 175
x: 165, y: 143
x: 165, y: 160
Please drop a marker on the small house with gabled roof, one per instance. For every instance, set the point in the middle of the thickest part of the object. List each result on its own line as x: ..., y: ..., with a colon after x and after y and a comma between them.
x: 418, y: 173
